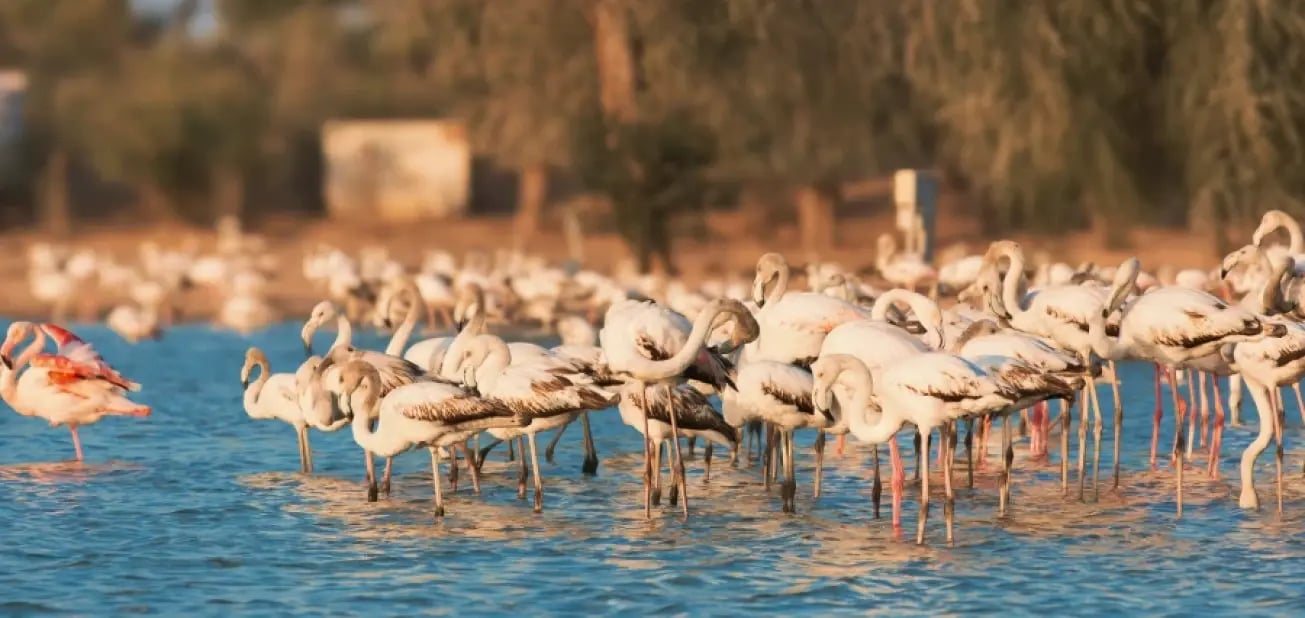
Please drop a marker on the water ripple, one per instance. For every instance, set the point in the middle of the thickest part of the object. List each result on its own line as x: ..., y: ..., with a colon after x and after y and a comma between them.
x: 197, y: 511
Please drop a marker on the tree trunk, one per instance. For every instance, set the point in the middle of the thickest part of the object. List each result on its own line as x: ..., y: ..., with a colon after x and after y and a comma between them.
x: 615, y: 60
x: 228, y: 193
x: 152, y: 202
x: 56, y: 211
x: 815, y: 212
x: 532, y: 192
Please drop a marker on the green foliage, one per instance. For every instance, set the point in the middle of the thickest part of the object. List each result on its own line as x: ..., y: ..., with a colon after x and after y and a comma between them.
x: 1050, y: 113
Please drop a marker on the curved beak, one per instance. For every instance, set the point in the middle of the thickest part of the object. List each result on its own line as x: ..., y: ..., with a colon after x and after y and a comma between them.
x: 308, y: 347
x: 459, y: 325
x: 1223, y: 272
x: 8, y: 362
x: 244, y: 382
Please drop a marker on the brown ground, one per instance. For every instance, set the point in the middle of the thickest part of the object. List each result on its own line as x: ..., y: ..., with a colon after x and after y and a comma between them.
x: 736, y: 242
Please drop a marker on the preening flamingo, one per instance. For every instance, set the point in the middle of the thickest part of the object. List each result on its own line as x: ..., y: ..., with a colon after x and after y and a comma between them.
x: 652, y: 344
x: 74, y: 387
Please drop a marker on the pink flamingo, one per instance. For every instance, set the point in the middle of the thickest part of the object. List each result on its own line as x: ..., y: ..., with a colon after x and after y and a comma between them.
x: 74, y: 387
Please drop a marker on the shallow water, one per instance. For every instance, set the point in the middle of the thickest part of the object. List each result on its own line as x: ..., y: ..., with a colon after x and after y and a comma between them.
x: 198, y: 510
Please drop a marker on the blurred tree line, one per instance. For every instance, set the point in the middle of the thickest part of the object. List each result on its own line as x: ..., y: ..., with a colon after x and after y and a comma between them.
x: 1045, y: 114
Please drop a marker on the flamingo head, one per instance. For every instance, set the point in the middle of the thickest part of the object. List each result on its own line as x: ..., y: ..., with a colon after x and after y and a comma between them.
x: 360, y: 386
x: 322, y: 312
x: 469, y: 304
x: 769, y: 269
x: 254, y: 357
x: 18, y: 331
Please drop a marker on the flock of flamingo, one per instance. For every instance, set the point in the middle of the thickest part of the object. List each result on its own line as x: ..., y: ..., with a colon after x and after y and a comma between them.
x: 737, y: 366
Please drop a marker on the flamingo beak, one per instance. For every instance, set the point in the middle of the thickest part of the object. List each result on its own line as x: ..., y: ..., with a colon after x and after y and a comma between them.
x: 8, y: 362
x: 244, y: 382
x: 459, y: 325
x: 308, y: 347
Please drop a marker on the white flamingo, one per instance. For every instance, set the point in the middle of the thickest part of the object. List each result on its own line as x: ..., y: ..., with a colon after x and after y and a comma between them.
x: 412, y: 415
x: 794, y: 324
x: 927, y: 390
x: 548, y: 400
x: 272, y: 396
x: 654, y: 345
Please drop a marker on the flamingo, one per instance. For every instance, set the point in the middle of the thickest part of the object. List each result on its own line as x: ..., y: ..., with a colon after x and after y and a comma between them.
x: 272, y: 396
x: 780, y: 394
x: 928, y: 390
x: 1171, y: 326
x: 1273, y: 221
x: 546, y: 399
x: 74, y: 387
x: 413, y: 414
x: 794, y: 324
x: 1065, y: 313
x: 651, y: 415
x: 655, y: 345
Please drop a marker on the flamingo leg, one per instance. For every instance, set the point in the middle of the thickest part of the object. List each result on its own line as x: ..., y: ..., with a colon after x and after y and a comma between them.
x: 539, y: 481
x: 949, y: 495
x: 303, y: 459
x: 552, y: 444
x: 1178, y: 442
x: 385, y: 476
x: 1193, y: 412
x: 1066, y: 416
x: 969, y: 451
x: 657, y: 473
x: 590, y: 464
x: 1007, y: 458
x: 1216, y: 433
x: 647, y: 455
x: 678, y: 470
x: 924, y: 486
x: 1203, y: 388
x: 371, y: 476
x: 707, y: 451
x: 471, y: 468
x: 768, y: 457
x: 512, y: 453
x: 692, y: 444
x: 876, y: 485
x: 1119, y: 421
x: 481, y: 453
x: 1084, y: 415
x: 820, y: 461
x: 435, y: 478
x: 1263, y: 399
x: 898, y: 483
x: 453, y: 469
x: 839, y: 444
x: 308, y: 452
x: 790, y: 469
x: 919, y: 462
x: 1097, y: 425
x: 1235, y: 399
x: 77, y: 443
x: 521, y: 472
x: 1279, y: 416
x: 1159, y: 413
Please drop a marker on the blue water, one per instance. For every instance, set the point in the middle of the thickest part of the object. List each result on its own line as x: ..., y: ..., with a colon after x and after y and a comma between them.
x: 199, y: 510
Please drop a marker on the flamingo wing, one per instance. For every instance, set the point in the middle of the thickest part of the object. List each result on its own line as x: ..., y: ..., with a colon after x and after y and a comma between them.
x: 65, y: 370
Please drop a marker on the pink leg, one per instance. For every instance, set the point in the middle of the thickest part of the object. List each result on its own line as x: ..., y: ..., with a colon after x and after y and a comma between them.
x: 1159, y: 413
x: 1216, y: 434
x: 838, y: 445
x: 1046, y: 430
x: 1203, y: 436
x: 897, y: 483
x: 77, y: 442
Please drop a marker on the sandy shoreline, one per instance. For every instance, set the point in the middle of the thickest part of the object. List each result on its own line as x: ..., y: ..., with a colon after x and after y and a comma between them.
x: 729, y: 248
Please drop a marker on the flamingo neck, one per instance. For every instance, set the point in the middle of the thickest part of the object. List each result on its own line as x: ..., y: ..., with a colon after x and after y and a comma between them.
x: 399, y: 340
x: 254, y: 394
x: 491, y: 367
x: 1010, y: 284
x: 9, y: 381
x: 781, y: 286
x: 344, y: 332
x: 452, y: 356
x: 653, y: 371
x: 858, y: 382
x: 925, y: 310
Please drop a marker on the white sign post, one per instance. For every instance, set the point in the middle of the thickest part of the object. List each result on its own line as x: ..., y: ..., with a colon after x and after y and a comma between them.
x: 915, y: 195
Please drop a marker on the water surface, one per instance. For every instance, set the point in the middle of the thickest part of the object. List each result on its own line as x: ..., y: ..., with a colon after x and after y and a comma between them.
x: 199, y: 510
